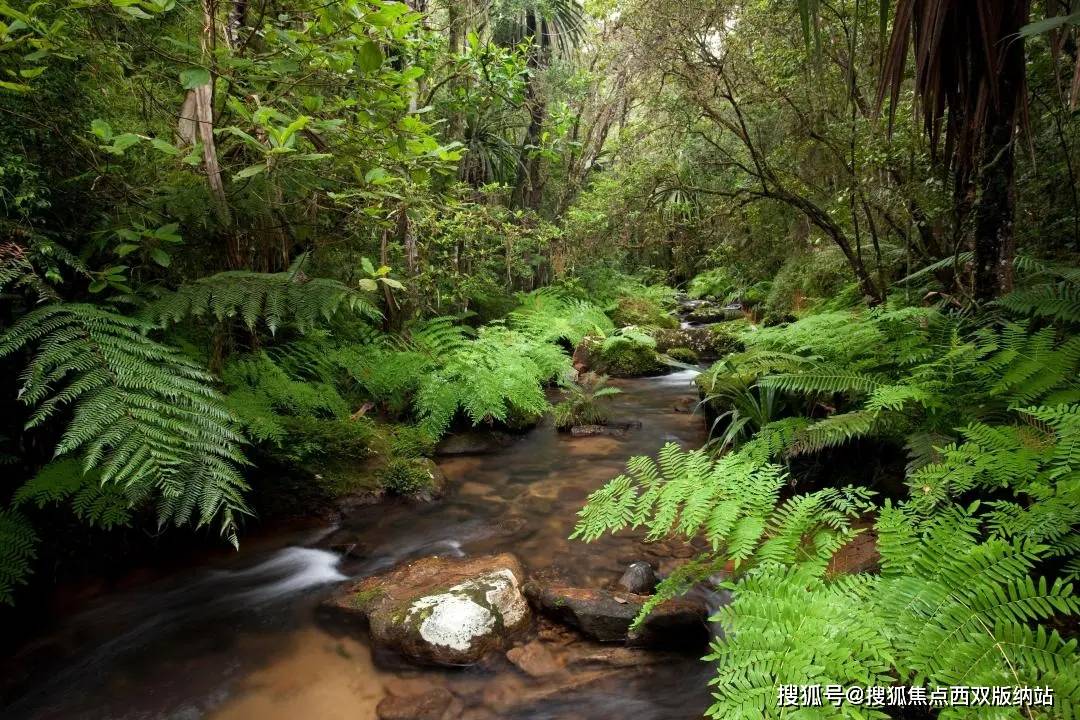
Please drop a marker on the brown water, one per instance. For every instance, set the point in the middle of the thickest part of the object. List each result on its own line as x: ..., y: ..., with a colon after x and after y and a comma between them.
x: 240, y: 639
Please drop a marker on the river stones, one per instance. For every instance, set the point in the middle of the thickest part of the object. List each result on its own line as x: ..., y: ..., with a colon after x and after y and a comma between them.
x: 714, y: 313
x: 617, y: 429
x: 639, y: 578
x: 606, y: 616
x: 442, y: 611
x: 434, y: 704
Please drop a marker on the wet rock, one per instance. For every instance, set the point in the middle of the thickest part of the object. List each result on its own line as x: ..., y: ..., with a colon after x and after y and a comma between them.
x: 639, y: 578
x: 680, y: 623
x: 508, y: 699
x: 612, y: 429
x: 535, y: 659
x: 442, y: 611
x: 431, y: 705
x: 703, y: 340
x: 612, y: 656
x: 587, y: 353
x: 599, y: 614
x: 437, y: 487
x: 714, y: 313
x: 474, y: 442
x: 606, y: 616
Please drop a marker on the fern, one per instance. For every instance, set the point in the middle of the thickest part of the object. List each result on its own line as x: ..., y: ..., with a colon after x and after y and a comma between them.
x: 787, y: 626
x: 549, y: 316
x: 105, y: 505
x: 730, y: 501
x: 275, y: 298
x: 143, y: 417
x: 18, y: 543
x: 499, y: 372
x: 1058, y: 301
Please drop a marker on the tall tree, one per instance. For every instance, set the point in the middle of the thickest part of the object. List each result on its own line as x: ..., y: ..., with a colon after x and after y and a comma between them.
x: 970, y: 77
x: 552, y: 27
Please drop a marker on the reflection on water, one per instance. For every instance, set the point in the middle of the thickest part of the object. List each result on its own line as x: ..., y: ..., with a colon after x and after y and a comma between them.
x: 239, y: 640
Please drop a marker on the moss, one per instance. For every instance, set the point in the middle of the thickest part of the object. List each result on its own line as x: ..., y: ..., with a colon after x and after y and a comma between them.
x: 309, y: 438
x: 683, y: 355
x: 628, y: 357
x: 711, y: 313
x: 406, y: 476
x: 642, y: 312
x: 342, y: 477
x: 518, y: 421
x: 726, y: 337
x: 365, y: 597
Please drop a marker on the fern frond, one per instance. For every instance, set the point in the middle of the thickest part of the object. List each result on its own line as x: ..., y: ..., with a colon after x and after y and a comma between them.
x: 18, y: 543
x: 1059, y: 301
x: 274, y: 298
x: 143, y: 416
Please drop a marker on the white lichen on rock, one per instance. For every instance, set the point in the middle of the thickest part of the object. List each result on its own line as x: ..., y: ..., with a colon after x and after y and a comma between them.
x: 469, y: 610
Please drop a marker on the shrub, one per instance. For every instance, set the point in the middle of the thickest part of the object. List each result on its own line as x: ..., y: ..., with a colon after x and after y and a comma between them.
x: 716, y: 283
x: 310, y: 439
x: 406, y: 476
x: 727, y: 337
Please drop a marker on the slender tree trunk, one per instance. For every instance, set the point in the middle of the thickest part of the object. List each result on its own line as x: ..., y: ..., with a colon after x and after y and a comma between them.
x: 994, y: 238
x: 527, y: 187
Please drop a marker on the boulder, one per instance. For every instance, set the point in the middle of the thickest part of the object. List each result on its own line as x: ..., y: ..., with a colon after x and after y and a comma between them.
x: 437, y: 487
x: 586, y: 353
x: 701, y: 340
x: 639, y: 578
x: 442, y: 611
x: 606, y: 616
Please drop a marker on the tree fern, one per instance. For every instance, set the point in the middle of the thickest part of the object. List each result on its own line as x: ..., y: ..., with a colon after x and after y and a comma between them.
x: 499, y: 372
x: 143, y: 417
x: 731, y: 501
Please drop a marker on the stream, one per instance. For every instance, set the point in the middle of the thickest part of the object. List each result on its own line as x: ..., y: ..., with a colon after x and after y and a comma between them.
x: 240, y: 638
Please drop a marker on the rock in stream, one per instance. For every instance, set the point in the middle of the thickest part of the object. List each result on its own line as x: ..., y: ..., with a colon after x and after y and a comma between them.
x: 441, y: 611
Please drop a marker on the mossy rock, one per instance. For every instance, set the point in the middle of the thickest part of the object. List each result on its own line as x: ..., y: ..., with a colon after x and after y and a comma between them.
x: 683, y: 355
x: 725, y: 337
x: 441, y: 611
x: 627, y: 357
x: 713, y: 313
x: 641, y: 312
x: 520, y: 421
x: 418, y: 478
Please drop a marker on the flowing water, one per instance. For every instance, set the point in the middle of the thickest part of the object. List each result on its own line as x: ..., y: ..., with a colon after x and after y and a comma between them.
x: 240, y: 638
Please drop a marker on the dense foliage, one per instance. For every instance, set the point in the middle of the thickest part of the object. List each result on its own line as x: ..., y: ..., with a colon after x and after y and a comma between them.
x: 300, y: 239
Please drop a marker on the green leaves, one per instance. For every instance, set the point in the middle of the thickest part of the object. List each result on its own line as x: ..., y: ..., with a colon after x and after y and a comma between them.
x: 194, y: 77
x: 1051, y: 23
x: 271, y: 298
x: 369, y: 56
x: 140, y: 415
x: 18, y: 548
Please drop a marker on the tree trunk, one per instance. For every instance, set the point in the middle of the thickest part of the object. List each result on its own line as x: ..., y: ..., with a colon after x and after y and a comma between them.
x: 994, y: 241
x: 527, y: 188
